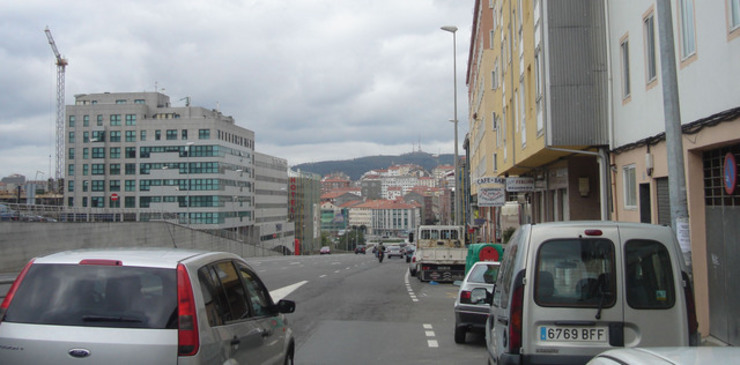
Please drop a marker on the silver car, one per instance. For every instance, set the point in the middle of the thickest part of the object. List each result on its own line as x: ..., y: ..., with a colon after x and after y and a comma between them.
x: 471, y: 307
x: 680, y: 355
x: 143, y: 306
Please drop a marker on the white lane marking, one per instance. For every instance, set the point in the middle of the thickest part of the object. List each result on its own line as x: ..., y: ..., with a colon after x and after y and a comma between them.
x: 429, y: 333
x: 337, y: 272
x: 348, y: 268
x: 281, y: 293
x: 427, y: 326
x: 432, y: 343
x: 295, y: 263
x: 323, y: 276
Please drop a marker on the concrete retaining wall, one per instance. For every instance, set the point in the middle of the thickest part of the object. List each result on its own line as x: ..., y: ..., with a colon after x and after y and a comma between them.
x: 22, y: 241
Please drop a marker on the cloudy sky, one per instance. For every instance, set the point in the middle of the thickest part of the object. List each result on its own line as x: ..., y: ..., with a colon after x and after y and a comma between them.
x: 315, y: 80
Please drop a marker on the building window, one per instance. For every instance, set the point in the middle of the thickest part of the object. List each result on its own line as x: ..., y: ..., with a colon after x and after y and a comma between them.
x: 71, y: 170
x: 115, y: 152
x: 115, y: 120
x: 495, y: 162
x: 130, y: 185
x: 171, y: 134
x: 157, y: 135
x: 71, y: 154
x: 98, y: 185
x: 204, y: 134
x: 98, y: 136
x: 98, y: 152
x: 131, y: 119
x: 115, y: 169
x: 71, y: 121
x: 85, y: 169
x: 115, y: 185
x: 85, y: 120
x: 100, y: 121
x: 624, y: 47
x: 130, y: 169
x: 630, y: 187
x: 130, y: 136
x: 85, y: 136
x: 184, y: 134
x: 130, y: 152
x: 143, y: 136
x: 71, y: 137
x: 98, y: 169
x: 97, y: 202
x: 115, y: 136
x: 121, y: 101
x: 139, y: 101
x: 651, y: 67
x: 85, y: 153
x: 130, y: 202
x: 686, y: 24
x: 734, y: 8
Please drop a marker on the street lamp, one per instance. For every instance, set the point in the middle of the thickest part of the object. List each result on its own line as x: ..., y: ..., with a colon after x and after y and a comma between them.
x: 453, y: 29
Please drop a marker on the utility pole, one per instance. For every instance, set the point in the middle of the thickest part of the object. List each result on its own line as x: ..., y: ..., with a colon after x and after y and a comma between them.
x: 673, y: 133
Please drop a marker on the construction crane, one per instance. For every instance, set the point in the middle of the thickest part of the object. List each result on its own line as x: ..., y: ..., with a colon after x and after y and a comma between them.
x: 61, y: 66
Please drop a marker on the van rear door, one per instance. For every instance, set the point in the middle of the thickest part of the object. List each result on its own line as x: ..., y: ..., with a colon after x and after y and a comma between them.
x: 574, y: 311
x: 653, y: 288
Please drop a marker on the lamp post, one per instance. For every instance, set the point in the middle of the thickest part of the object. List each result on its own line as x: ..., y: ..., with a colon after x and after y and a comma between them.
x: 453, y: 29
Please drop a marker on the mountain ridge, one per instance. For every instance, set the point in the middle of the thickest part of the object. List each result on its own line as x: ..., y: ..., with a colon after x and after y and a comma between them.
x: 355, y: 167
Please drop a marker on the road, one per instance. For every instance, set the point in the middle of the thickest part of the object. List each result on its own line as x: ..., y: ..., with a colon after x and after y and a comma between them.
x: 352, y: 309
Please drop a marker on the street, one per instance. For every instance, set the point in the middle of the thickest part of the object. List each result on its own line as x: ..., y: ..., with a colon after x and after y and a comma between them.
x: 352, y: 309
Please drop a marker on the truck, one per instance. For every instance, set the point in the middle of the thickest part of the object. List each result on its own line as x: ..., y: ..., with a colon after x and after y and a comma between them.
x: 441, y: 253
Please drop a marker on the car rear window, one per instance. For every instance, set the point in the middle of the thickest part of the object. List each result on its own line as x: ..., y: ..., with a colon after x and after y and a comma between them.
x: 483, y: 274
x: 96, y: 296
x: 575, y: 273
x: 649, y: 275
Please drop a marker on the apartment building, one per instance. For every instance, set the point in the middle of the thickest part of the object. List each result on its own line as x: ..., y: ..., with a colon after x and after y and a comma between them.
x: 272, y: 228
x: 136, y: 156
x: 707, y: 49
x: 537, y: 95
x: 304, y: 209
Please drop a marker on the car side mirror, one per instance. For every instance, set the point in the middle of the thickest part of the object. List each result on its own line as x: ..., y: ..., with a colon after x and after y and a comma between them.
x: 285, y: 306
x: 480, y: 295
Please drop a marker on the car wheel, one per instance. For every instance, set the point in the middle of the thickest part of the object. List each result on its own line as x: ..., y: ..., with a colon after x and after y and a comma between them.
x: 460, y: 333
x: 289, y: 357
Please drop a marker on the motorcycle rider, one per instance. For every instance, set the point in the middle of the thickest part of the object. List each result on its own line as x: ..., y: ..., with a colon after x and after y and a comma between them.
x: 381, y: 251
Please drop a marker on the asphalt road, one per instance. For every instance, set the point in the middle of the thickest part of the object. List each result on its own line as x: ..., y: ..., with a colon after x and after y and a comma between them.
x: 350, y: 309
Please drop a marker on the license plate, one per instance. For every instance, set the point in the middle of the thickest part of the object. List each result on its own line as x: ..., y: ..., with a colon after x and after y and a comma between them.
x: 443, y: 267
x: 574, y: 334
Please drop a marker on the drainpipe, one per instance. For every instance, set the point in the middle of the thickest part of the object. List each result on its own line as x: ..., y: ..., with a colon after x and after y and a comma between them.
x: 602, y: 157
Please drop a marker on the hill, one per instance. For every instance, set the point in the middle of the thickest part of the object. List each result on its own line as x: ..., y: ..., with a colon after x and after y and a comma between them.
x: 356, y: 167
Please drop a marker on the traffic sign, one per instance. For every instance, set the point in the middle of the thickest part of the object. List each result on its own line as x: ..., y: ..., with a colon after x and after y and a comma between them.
x: 114, y: 197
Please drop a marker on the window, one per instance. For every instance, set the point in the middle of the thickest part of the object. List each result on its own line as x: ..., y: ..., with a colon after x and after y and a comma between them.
x: 115, y: 185
x: 143, y: 136
x: 494, y: 75
x: 115, y: 120
x: 100, y: 120
x: 85, y: 185
x: 130, y: 136
x: 97, y: 202
x: 157, y: 135
x: 71, y: 137
x: 85, y: 169
x: 651, y: 67
x: 575, y: 273
x: 184, y: 134
x: 98, y: 185
x: 115, y: 136
x: 121, y: 101
x: 649, y: 275
x: 85, y: 136
x: 85, y: 120
x: 130, y: 152
x: 223, y: 293
x: 115, y: 152
x: 259, y: 297
x: 98, y: 136
x: 131, y: 119
x: 130, y: 185
x: 204, y: 134
x: 130, y: 169
x: 72, y: 121
x: 139, y: 101
x: 98, y: 169
x: 171, y: 134
x: 630, y: 187
x: 130, y: 202
x: 71, y: 154
x: 625, y: 57
x: 71, y: 170
x: 686, y: 24
x: 734, y: 8
x: 98, y: 152
x: 85, y: 153
x: 115, y: 169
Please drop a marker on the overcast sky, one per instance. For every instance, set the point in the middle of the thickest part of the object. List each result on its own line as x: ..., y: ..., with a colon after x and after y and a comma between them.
x: 316, y: 80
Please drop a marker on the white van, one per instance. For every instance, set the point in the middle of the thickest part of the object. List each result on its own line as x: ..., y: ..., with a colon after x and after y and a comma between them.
x: 570, y: 290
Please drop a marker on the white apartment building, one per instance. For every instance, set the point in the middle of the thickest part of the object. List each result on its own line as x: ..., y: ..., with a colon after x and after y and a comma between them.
x: 272, y: 227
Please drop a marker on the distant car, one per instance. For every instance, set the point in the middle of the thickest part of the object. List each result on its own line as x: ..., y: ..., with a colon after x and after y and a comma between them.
x: 360, y: 249
x: 394, y: 250
x: 471, y: 308
x: 325, y: 250
x: 142, y: 305
x: 668, y: 356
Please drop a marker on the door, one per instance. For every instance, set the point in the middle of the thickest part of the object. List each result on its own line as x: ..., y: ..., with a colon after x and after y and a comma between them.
x: 645, y: 203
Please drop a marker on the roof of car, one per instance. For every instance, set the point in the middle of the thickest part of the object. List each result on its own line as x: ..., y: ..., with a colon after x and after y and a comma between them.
x: 144, y: 256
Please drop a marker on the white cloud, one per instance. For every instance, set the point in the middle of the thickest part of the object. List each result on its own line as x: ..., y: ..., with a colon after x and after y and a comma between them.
x: 315, y: 79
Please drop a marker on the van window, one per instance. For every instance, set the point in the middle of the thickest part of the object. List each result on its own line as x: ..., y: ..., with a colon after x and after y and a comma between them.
x: 649, y: 275
x: 575, y: 273
x: 506, y: 272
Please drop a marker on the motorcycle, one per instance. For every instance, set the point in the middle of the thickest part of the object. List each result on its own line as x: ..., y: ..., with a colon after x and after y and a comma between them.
x: 381, y: 254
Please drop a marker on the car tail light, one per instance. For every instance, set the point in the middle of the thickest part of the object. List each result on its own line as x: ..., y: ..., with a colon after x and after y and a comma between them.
x: 101, y: 262
x: 688, y: 292
x: 465, y: 296
x: 516, y: 314
x: 13, y: 288
x: 188, y: 340
x: 594, y: 232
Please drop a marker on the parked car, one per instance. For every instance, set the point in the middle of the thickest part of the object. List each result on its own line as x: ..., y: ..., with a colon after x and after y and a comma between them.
x: 668, y: 356
x: 471, y: 307
x: 136, y: 306
x: 7, y: 214
x: 325, y: 250
x: 590, y: 287
x: 393, y: 250
x: 413, y: 266
x: 360, y: 249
